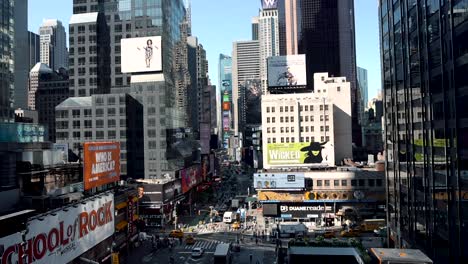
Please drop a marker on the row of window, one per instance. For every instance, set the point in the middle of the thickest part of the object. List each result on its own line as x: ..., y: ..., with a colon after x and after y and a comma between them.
x: 99, y: 123
x: 291, y: 108
x: 111, y: 134
x: 354, y: 183
x: 303, y: 129
x: 302, y: 139
x: 99, y: 112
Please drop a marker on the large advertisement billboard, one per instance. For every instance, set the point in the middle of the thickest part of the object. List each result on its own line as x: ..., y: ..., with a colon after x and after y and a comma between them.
x: 190, y: 177
x: 101, y: 163
x: 298, y: 210
x: 269, y: 4
x: 141, y: 54
x: 253, y: 105
x: 300, y: 154
x: 150, y: 194
x: 284, y: 71
x: 64, y: 235
x: 291, y: 180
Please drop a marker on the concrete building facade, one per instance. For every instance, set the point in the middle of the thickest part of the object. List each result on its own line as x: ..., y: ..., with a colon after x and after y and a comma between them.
x: 268, y: 38
x: 107, y: 118
x: 322, y: 116
x: 7, y: 66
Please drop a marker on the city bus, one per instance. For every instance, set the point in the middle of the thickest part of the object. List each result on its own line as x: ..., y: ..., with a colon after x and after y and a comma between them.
x: 369, y: 225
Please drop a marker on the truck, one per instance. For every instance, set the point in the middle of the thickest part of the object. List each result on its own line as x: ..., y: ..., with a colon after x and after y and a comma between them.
x: 369, y: 225
x: 292, y: 229
x: 230, y: 217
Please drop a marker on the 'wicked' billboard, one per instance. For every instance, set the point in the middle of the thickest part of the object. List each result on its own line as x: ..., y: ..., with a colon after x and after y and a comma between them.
x: 300, y: 154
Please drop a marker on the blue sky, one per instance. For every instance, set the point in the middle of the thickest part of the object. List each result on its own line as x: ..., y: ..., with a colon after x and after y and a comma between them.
x: 217, y: 23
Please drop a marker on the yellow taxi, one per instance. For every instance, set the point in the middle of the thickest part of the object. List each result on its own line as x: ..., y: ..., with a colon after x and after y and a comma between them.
x: 189, y: 240
x: 350, y: 233
x: 235, y: 225
x: 329, y: 234
x: 176, y: 234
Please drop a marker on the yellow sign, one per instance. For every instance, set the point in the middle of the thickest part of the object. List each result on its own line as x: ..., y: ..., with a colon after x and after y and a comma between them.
x: 115, y: 258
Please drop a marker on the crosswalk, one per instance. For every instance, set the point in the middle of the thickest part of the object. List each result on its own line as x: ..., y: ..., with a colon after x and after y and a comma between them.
x: 206, y: 245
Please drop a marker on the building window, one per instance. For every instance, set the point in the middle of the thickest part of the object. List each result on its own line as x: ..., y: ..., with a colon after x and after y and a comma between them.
x: 344, y: 182
x: 292, y: 118
x: 268, y: 120
x: 99, y: 134
x: 272, y: 109
x: 287, y: 140
x: 88, y: 124
x: 111, y: 111
x: 321, y: 128
x: 111, y: 123
x: 326, y: 107
x: 268, y: 109
x: 379, y: 182
x: 287, y: 129
x: 281, y: 119
x: 291, y: 108
x: 76, y: 124
x: 111, y: 134
x: 273, y: 129
x: 327, y: 128
x: 362, y: 183
x: 76, y: 135
x: 282, y: 129
x: 302, y: 139
x: 321, y: 107
x: 336, y: 183
x: 286, y: 109
x: 311, y: 108
x: 123, y: 133
x: 281, y: 109
x: 272, y: 119
x: 292, y: 140
x: 88, y: 135
x: 123, y: 122
x: 327, y: 182
x: 354, y: 183
x: 282, y: 140
x: 274, y: 140
x: 322, y: 139
x: 302, y: 129
x: 99, y: 123
x: 292, y: 129
x: 301, y: 108
x: 301, y: 119
x: 268, y: 130
x: 306, y: 129
x: 311, y: 118
x: 287, y: 119
x: 269, y: 140
x: 76, y: 113
x: 319, y: 183
x: 306, y: 108
x: 62, y: 113
x: 371, y: 182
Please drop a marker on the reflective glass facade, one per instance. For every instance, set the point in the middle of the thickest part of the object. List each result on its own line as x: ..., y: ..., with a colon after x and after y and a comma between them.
x: 6, y: 60
x: 424, y: 47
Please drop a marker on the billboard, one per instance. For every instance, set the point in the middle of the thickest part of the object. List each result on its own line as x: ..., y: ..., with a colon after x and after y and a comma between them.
x: 149, y: 193
x: 300, y: 154
x: 284, y: 71
x: 253, y: 105
x: 226, y: 123
x: 101, y: 163
x: 298, y: 210
x: 226, y: 98
x: 291, y: 180
x: 190, y: 177
x: 64, y: 235
x: 269, y: 4
x: 141, y: 54
x: 22, y: 132
x: 226, y: 106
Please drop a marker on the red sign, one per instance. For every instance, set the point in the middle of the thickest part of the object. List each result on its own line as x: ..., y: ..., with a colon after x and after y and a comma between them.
x: 226, y: 106
x: 101, y: 163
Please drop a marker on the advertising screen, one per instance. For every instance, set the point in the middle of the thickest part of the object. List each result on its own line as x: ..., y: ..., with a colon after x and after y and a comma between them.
x: 190, y: 177
x: 226, y: 106
x: 158, y: 193
x: 22, y: 132
x: 284, y: 71
x: 141, y: 54
x: 226, y: 123
x: 279, y: 180
x: 253, y: 94
x: 269, y: 4
x: 300, y: 154
x: 270, y: 209
x: 101, y: 163
x: 225, y: 97
x: 63, y: 236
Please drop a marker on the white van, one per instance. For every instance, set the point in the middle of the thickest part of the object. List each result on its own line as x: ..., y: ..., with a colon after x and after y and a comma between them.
x: 229, y: 217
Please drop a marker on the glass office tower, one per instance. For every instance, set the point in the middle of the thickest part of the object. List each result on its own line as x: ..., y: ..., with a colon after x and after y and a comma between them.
x: 424, y: 47
x: 7, y: 61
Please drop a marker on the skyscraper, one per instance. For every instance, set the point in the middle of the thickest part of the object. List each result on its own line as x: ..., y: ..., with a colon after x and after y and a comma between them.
x: 255, y: 28
x: 53, y: 44
x: 324, y: 31
x: 21, y: 54
x: 7, y: 37
x: 34, y: 42
x: 363, y: 91
x: 245, y: 68
x: 424, y: 46
x: 268, y: 38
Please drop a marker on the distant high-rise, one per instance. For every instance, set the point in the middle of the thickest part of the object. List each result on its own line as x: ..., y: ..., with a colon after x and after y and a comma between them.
x: 269, y: 41
x: 34, y: 42
x: 255, y: 28
x: 424, y: 49
x: 245, y: 68
x: 363, y: 91
x: 53, y: 44
x: 7, y: 37
x: 21, y: 54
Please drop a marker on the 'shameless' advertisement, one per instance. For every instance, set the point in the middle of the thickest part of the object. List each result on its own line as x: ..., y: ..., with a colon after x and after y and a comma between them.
x: 63, y: 236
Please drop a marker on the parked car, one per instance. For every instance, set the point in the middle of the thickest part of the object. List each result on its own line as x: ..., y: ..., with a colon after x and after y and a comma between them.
x: 197, y: 252
x: 189, y: 240
x: 176, y: 234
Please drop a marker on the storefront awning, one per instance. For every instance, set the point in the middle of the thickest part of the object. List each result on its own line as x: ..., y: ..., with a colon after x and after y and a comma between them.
x: 121, y: 225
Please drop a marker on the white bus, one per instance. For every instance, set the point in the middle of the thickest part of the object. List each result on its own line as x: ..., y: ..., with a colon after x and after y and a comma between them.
x: 222, y: 254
